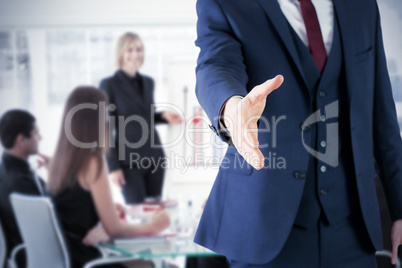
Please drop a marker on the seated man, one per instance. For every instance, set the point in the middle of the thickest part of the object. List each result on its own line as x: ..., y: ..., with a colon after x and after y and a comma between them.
x: 19, y: 137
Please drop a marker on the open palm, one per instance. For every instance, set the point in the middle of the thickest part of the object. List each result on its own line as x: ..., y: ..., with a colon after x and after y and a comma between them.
x: 241, y: 116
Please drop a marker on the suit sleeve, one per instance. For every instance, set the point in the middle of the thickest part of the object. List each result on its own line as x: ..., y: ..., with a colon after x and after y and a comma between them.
x: 387, y: 138
x: 220, y: 71
x: 112, y: 155
x: 159, y: 119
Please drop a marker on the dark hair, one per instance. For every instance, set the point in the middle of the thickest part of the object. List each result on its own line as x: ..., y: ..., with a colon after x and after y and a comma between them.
x: 13, y: 123
x: 71, y: 159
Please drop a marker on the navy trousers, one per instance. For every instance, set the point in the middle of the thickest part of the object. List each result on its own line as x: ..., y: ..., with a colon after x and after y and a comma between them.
x: 345, y: 244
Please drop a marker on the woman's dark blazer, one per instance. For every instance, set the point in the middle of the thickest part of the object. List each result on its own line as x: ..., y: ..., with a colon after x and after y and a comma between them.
x: 134, y: 119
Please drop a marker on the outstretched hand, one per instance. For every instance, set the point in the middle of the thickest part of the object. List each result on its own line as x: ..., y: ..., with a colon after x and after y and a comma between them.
x: 172, y: 117
x: 241, y: 115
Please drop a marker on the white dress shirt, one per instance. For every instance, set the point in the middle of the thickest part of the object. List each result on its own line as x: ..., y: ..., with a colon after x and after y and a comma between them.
x: 325, y: 13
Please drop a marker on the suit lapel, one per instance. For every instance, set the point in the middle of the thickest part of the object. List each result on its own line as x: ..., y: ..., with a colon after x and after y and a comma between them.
x: 280, y: 23
x: 343, y: 12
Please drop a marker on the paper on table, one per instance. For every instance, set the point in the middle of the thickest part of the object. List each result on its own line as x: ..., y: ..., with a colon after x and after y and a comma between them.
x: 144, y: 240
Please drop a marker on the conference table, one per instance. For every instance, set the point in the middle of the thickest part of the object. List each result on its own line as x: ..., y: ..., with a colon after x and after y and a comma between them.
x: 177, y: 241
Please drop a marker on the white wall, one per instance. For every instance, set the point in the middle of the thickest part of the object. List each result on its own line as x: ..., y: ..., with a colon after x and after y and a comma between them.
x: 51, y: 13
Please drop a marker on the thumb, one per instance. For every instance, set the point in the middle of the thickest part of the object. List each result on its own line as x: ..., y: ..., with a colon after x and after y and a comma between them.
x: 261, y: 91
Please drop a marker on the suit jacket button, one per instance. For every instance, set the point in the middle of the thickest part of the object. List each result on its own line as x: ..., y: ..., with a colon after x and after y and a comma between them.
x: 323, y: 169
x: 322, y: 93
x: 323, y: 192
x: 300, y: 174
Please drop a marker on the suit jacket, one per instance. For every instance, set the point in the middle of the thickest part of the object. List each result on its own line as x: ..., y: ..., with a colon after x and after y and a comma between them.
x: 15, y: 176
x: 139, y: 131
x: 250, y: 213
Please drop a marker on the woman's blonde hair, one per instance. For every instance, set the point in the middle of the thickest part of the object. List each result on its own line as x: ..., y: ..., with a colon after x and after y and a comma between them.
x: 124, y: 41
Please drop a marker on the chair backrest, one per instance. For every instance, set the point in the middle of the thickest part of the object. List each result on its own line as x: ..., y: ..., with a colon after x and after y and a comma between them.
x: 384, y: 259
x: 3, y: 248
x: 40, y: 231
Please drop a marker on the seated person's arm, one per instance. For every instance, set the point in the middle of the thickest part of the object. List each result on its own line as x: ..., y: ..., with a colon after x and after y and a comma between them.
x: 96, y: 235
x: 98, y: 185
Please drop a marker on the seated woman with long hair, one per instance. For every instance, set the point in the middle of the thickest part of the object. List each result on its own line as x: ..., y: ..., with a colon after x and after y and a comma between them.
x: 78, y: 178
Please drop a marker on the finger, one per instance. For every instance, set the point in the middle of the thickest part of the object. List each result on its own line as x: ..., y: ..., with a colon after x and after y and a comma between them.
x: 40, y: 163
x: 250, y: 134
x: 253, y: 156
x: 261, y: 91
x: 44, y: 157
x: 395, y: 245
x: 256, y: 159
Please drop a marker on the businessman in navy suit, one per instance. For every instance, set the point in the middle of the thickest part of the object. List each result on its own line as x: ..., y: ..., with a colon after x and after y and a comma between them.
x: 296, y: 187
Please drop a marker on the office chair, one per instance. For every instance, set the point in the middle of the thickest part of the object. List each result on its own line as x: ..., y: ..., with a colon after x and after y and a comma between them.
x: 11, y: 263
x: 384, y: 256
x: 388, y: 255
x: 42, y: 235
x: 3, y: 248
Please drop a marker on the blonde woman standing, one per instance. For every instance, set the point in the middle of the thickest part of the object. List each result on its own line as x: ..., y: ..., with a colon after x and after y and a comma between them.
x: 137, y: 169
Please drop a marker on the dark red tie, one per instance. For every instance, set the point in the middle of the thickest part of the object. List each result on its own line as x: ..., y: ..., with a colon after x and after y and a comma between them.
x: 314, y: 35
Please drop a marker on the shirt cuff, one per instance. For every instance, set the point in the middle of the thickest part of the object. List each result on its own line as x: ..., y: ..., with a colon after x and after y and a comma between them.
x: 222, y: 125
